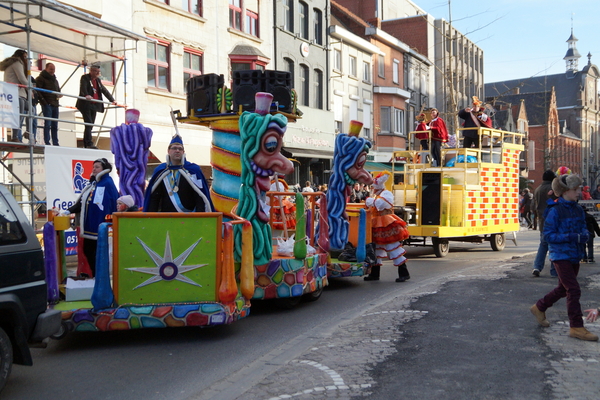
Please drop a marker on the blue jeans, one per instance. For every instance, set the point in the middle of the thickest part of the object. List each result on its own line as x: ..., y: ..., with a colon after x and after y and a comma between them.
x: 50, y: 126
x: 540, y: 258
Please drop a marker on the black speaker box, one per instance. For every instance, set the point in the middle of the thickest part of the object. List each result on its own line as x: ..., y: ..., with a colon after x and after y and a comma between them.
x: 246, y: 84
x: 431, y: 184
x: 202, y: 94
x: 279, y: 84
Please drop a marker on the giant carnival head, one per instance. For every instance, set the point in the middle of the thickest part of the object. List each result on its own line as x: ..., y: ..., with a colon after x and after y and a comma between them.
x: 261, y: 140
x: 349, y: 158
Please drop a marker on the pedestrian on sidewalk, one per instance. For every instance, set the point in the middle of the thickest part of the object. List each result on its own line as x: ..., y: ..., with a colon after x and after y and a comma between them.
x: 593, y: 229
x: 566, y: 233
x: 541, y: 196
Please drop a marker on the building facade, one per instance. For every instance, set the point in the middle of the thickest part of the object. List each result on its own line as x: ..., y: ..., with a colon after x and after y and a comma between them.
x: 577, y: 103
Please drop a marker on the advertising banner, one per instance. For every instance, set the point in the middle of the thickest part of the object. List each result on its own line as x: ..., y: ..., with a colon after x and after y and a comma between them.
x: 67, y: 172
x: 9, y: 105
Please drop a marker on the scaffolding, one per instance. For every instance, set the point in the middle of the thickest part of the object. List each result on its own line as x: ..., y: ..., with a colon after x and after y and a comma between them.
x: 57, y: 30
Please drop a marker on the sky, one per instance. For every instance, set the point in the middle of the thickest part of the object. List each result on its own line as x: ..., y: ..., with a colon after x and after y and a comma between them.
x: 524, y: 38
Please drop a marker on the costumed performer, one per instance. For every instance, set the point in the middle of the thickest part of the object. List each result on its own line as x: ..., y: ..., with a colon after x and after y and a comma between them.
x: 422, y: 128
x: 177, y: 185
x: 389, y: 231
x: 474, y: 118
x: 439, y: 135
x: 97, y: 200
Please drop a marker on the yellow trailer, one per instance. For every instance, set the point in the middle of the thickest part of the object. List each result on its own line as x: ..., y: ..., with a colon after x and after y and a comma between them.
x: 472, y: 197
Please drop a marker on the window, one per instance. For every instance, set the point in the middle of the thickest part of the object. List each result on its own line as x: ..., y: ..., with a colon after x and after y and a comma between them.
x: 318, y: 21
x: 398, y: 121
x: 241, y: 64
x: 352, y: 71
x: 11, y: 231
x: 107, y: 72
x: 339, y: 127
x: 337, y: 59
x: 251, y: 27
x: 288, y: 15
x: 304, y: 85
x: 192, y: 6
x: 396, y: 71
x: 318, y: 89
x: 391, y: 120
x: 381, y: 66
x: 366, y: 71
x: 158, y: 65
x: 235, y: 14
x: 303, y: 15
x: 289, y: 67
x: 192, y: 65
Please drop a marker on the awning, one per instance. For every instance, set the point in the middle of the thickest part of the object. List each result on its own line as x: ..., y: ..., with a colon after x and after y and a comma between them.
x: 61, y: 31
x: 375, y: 166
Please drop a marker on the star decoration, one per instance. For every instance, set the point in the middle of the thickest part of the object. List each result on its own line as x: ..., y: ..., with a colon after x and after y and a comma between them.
x: 167, y: 268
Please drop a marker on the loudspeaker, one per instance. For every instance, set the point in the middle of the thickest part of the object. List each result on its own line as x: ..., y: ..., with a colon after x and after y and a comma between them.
x: 279, y: 84
x: 246, y: 84
x: 431, y: 185
x: 202, y: 94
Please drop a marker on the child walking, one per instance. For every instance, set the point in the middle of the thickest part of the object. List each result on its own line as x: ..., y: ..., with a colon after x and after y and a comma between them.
x: 566, y: 232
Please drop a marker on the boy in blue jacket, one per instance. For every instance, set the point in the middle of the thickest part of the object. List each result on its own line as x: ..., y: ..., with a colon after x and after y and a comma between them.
x: 566, y: 232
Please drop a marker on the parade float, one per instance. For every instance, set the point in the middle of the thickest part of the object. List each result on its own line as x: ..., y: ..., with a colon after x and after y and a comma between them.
x: 203, y: 268
x: 471, y: 197
x: 154, y: 269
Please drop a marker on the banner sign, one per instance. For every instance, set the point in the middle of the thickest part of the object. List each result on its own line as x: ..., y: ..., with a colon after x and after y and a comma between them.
x: 9, y: 105
x: 67, y: 173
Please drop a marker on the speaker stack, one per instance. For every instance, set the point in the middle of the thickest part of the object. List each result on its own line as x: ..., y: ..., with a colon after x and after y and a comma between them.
x: 202, y: 94
x: 247, y: 83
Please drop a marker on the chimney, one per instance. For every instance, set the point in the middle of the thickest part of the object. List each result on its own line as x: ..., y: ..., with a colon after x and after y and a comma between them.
x: 375, y: 22
x: 516, y: 90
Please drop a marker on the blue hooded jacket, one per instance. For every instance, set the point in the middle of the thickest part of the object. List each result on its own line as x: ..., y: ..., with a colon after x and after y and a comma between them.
x: 565, y: 230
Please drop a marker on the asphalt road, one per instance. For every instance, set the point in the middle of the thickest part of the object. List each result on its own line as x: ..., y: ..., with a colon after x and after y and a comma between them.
x: 187, y: 362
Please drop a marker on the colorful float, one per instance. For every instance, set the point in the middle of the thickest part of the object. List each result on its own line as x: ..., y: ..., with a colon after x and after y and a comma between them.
x: 202, y: 269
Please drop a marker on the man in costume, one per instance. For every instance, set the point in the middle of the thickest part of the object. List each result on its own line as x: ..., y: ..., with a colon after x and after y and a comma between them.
x: 474, y: 119
x: 389, y: 230
x: 177, y: 185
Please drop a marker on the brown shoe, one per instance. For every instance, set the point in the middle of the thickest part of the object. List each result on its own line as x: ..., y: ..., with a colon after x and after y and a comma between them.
x: 539, y: 316
x: 583, y: 334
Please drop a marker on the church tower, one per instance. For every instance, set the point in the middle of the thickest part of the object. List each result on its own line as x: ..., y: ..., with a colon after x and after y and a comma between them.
x: 572, y: 56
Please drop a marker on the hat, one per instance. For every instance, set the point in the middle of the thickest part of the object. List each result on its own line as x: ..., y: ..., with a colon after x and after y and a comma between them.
x: 565, y: 182
x: 176, y: 139
x: 563, y: 171
x: 127, y: 200
x: 549, y: 175
x: 105, y: 163
x: 586, y: 188
x: 95, y: 65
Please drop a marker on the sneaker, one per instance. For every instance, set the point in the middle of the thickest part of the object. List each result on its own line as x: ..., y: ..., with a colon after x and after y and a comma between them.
x: 539, y: 316
x: 535, y: 272
x: 583, y: 334
x: 591, y: 261
x: 402, y: 279
x: 584, y: 261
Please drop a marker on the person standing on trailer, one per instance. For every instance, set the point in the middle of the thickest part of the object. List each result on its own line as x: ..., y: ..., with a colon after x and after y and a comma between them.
x: 439, y: 135
x: 91, y: 87
x: 474, y: 118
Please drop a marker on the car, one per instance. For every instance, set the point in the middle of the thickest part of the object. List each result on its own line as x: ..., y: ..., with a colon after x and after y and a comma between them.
x: 25, y: 318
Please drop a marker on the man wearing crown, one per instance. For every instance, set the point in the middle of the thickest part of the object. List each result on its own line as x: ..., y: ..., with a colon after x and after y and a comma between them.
x: 474, y: 119
x: 177, y: 185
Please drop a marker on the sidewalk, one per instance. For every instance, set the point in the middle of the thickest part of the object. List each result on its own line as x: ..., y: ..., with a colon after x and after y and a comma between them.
x: 467, y: 335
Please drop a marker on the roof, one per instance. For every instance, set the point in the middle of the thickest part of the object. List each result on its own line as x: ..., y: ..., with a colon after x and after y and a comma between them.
x: 61, y: 31
x: 538, y: 105
x: 567, y: 89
